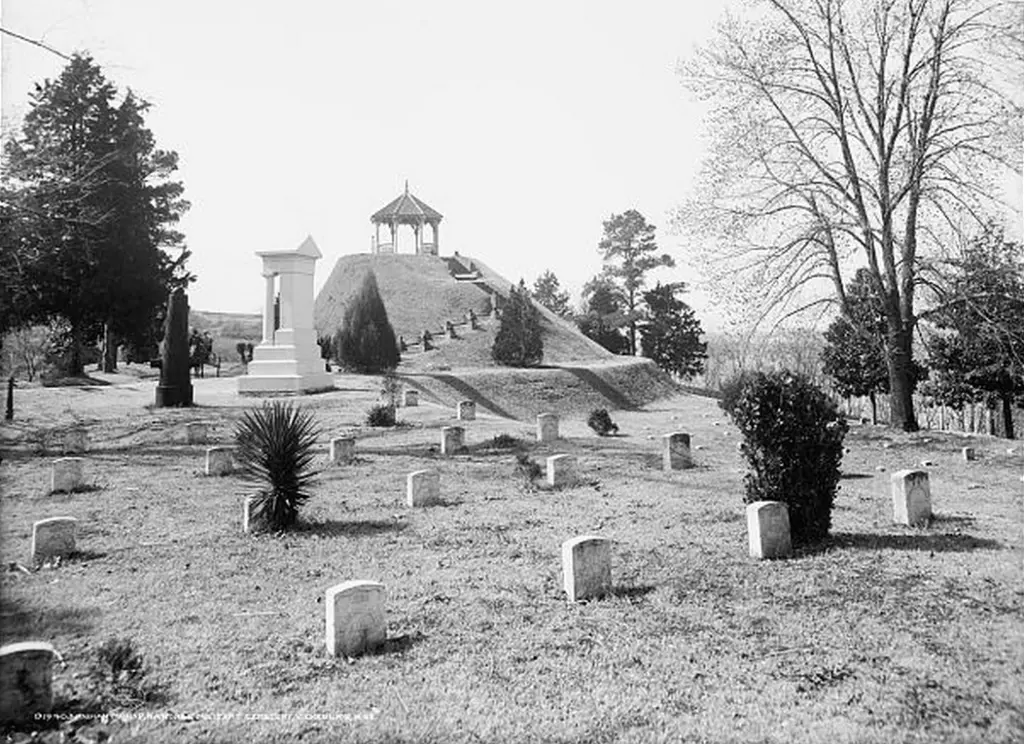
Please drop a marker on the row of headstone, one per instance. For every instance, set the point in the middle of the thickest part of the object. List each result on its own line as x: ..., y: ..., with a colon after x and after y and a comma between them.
x: 67, y: 474
x: 52, y: 538
x: 356, y: 621
x: 768, y: 521
x: 26, y: 681
x: 466, y: 411
x: 76, y: 441
x: 220, y: 461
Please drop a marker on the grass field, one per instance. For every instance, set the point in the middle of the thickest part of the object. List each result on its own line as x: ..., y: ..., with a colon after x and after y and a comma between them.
x: 882, y: 634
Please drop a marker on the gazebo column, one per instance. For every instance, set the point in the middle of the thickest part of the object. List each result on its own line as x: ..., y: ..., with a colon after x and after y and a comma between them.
x: 268, y: 310
x: 376, y: 242
x: 394, y: 238
x: 418, y: 231
x: 437, y: 245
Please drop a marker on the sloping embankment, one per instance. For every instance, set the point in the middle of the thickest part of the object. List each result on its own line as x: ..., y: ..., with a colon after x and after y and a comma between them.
x: 618, y: 384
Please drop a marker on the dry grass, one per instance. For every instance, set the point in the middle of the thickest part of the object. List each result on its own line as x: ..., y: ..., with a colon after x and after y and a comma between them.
x: 884, y: 634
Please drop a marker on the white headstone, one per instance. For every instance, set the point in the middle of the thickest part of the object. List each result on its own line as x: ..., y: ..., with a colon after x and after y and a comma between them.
x: 67, y: 474
x: 547, y: 427
x: 220, y: 460
x: 586, y: 567
x: 196, y: 431
x: 342, y: 450
x: 26, y: 680
x: 768, y: 529
x: 76, y: 441
x: 423, y: 488
x: 911, y: 497
x: 561, y: 470
x: 411, y: 398
x: 676, y: 452
x: 466, y: 411
x: 968, y: 453
x: 452, y: 439
x: 355, y: 618
x: 53, y: 538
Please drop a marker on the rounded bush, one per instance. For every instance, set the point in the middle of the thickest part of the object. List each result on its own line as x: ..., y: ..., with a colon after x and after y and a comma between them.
x: 793, y: 443
x: 601, y: 422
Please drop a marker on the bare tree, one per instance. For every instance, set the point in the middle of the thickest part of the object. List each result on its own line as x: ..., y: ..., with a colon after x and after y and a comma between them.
x: 850, y: 133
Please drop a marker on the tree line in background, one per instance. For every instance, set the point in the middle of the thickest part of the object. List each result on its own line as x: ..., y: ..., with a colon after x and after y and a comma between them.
x: 88, y: 209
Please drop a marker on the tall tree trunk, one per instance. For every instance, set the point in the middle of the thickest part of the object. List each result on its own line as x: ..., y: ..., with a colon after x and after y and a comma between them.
x: 874, y: 408
x: 1007, y: 399
x: 901, y: 388
x: 109, y: 349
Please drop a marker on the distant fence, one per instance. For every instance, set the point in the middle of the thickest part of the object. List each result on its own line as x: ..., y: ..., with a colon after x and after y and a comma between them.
x: 974, y: 418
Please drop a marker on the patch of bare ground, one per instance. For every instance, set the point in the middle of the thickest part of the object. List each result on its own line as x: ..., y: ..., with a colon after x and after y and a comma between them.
x: 881, y: 634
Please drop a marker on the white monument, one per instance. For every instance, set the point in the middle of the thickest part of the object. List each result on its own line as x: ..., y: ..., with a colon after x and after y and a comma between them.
x: 288, y: 358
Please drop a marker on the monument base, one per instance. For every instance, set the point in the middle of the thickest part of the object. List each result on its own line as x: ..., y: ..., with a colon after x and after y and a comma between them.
x: 286, y: 384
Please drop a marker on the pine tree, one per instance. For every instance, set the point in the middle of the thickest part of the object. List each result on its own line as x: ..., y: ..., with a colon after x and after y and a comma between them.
x: 519, y: 342
x: 366, y: 342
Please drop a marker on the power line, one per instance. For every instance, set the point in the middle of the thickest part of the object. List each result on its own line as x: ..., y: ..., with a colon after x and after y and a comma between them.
x: 39, y: 44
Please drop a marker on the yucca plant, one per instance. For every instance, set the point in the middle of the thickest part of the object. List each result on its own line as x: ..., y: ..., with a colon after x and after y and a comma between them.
x: 274, y: 448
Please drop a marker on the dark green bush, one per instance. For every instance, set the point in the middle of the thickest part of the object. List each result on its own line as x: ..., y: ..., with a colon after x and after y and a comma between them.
x: 519, y: 342
x: 275, y: 450
x: 729, y: 392
x: 382, y: 414
x: 366, y: 342
x: 601, y: 422
x: 118, y: 677
x: 793, y: 443
x: 528, y: 470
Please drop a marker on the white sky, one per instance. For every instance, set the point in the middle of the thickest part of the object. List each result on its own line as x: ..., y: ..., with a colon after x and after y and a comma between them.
x: 525, y: 124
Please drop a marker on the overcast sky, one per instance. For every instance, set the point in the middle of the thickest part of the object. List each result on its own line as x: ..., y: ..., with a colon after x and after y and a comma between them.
x: 525, y: 124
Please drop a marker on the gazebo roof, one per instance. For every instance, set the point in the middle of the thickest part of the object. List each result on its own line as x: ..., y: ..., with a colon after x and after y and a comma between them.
x: 406, y: 210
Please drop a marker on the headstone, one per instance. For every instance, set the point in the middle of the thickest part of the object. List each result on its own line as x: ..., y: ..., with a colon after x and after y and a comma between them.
x: 355, y: 618
x: 411, y: 398
x: 547, y: 427
x: 911, y: 497
x: 76, y: 441
x: 220, y: 460
x: 676, y: 451
x: 67, y: 474
x: 452, y: 439
x: 26, y: 680
x: 423, y: 488
x: 968, y: 453
x: 425, y: 339
x: 53, y: 538
x: 466, y: 411
x: 586, y: 567
x: 196, y: 432
x: 768, y: 529
x: 561, y: 470
x: 450, y: 328
x: 342, y: 450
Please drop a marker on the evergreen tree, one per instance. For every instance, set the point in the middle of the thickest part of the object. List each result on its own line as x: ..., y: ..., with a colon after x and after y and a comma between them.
x: 854, y: 355
x: 96, y: 208
x: 366, y: 341
x: 629, y: 252
x: 549, y: 293
x: 603, y: 316
x: 518, y: 342
x: 979, y: 351
x: 671, y: 334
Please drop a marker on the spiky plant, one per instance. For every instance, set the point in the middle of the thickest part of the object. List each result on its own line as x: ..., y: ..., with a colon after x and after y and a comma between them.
x: 274, y: 448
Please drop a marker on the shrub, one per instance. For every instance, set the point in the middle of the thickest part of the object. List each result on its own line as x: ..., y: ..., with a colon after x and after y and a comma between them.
x: 528, y: 470
x: 275, y: 450
x: 601, y: 422
x: 381, y: 414
x: 518, y: 342
x: 793, y: 443
x: 730, y: 391
x: 118, y: 677
x: 390, y: 388
x: 503, y: 441
x: 366, y: 342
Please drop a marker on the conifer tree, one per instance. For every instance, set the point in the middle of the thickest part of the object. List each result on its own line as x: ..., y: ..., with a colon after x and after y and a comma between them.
x: 518, y: 342
x: 366, y: 342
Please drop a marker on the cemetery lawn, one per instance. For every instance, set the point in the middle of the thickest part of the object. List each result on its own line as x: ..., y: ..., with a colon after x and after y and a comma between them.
x: 882, y: 634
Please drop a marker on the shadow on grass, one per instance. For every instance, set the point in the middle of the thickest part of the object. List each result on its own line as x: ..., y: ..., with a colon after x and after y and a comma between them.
x: 346, y: 528
x: 855, y: 476
x: 944, y: 543
x: 399, y: 644
x: 953, y: 519
x: 610, y: 393
x: 632, y: 592
x: 24, y: 622
x: 470, y: 393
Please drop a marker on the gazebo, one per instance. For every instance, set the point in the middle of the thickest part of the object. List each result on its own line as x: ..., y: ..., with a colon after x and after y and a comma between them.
x: 406, y: 210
